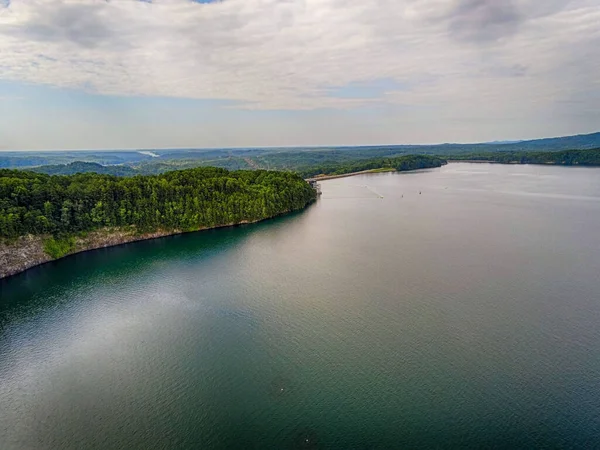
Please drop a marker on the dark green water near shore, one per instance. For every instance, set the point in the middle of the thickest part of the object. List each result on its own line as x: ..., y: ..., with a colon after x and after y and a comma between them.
x: 466, y: 316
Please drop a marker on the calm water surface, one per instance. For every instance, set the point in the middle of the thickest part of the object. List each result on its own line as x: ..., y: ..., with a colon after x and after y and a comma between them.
x: 464, y: 316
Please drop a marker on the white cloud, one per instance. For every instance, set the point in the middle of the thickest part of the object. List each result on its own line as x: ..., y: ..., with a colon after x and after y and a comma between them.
x: 455, y: 58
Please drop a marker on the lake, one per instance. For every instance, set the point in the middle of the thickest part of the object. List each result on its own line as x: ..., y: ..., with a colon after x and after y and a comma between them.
x: 453, y: 308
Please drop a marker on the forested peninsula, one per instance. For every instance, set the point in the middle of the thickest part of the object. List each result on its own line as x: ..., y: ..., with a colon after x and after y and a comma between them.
x: 400, y: 163
x: 45, y: 217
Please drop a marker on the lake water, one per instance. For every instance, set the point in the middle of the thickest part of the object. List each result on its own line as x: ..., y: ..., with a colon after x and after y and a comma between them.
x: 454, y: 307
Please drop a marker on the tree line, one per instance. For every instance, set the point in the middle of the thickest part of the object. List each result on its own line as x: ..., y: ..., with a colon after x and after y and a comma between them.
x: 565, y: 158
x: 185, y: 200
x: 399, y: 163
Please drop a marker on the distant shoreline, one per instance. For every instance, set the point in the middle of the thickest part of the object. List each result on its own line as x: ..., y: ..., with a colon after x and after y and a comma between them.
x: 518, y: 163
x: 350, y: 174
x: 476, y: 161
x: 363, y: 172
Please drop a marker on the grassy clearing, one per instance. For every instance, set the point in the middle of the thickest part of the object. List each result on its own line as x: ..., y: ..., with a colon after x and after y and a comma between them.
x: 57, y: 248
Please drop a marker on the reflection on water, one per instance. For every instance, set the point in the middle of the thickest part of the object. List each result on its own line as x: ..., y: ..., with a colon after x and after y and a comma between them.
x: 455, y: 307
x: 107, y: 265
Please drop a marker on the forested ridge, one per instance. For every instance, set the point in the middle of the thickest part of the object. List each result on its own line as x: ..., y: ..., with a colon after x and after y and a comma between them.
x: 154, y: 161
x: 185, y: 200
x: 400, y: 163
x: 85, y: 167
x: 311, y: 162
x: 565, y: 158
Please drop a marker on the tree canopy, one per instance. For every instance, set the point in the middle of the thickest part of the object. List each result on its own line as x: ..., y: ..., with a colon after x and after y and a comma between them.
x: 186, y: 200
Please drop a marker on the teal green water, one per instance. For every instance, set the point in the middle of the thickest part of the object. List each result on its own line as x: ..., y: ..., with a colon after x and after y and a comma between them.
x: 467, y: 316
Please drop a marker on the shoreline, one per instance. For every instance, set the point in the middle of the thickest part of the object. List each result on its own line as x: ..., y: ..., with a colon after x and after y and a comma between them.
x: 28, y: 251
x: 344, y: 175
x: 362, y: 172
x: 474, y: 161
x: 518, y: 163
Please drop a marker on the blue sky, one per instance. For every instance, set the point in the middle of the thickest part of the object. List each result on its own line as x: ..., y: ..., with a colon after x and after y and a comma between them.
x: 182, y: 73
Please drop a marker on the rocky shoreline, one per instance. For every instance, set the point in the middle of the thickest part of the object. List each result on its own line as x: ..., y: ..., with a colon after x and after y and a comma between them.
x: 28, y: 251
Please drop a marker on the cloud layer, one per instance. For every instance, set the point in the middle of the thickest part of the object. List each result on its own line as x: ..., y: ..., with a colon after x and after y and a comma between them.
x: 448, y: 59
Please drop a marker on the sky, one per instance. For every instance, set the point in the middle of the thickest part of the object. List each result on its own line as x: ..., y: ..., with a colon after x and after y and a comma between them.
x: 88, y: 74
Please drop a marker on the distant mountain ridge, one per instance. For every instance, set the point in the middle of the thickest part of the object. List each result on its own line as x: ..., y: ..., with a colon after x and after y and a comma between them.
x: 298, y: 159
x: 504, y: 142
x: 576, y: 142
x: 85, y: 167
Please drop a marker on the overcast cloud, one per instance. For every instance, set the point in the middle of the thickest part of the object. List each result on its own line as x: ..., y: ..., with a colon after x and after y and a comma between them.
x: 452, y: 61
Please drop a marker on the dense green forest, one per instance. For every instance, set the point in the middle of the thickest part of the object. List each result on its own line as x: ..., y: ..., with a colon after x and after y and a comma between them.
x: 183, y: 200
x: 565, y: 158
x: 400, y: 163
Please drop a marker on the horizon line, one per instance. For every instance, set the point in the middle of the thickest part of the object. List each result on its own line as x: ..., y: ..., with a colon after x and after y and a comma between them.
x: 291, y: 147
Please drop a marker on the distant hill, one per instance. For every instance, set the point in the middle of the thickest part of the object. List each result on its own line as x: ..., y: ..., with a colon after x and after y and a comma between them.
x: 85, y: 167
x: 23, y: 159
x: 578, y: 142
x: 586, y: 157
x: 503, y: 142
x: 299, y: 159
